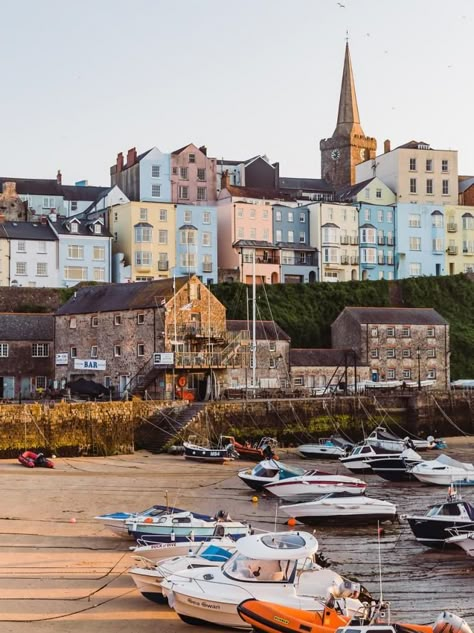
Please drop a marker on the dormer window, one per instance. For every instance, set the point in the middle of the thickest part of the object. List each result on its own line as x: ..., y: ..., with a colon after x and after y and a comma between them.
x: 97, y: 228
x: 74, y: 227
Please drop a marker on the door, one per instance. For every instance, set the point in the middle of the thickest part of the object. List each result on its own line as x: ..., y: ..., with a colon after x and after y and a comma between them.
x: 9, y: 387
x: 1, y: 386
x: 438, y: 270
x: 123, y: 382
x: 25, y: 387
x: 375, y: 376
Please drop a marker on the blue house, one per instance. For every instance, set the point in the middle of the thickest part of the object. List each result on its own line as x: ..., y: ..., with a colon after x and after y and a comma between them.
x: 420, y: 237
x: 143, y: 177
x: 291, y: 235
x: 196, y: 241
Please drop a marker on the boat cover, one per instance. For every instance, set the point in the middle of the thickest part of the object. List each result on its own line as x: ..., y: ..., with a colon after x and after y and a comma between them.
x: 449, y: 461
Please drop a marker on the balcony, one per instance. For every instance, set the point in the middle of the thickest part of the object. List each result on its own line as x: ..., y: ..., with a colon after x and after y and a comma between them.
x: 354, y: 259
x: 381, y: 240
x: 354, y: 240
x: 381, y: 260
x: 390, y: 241
x: 344, y: 239
x: 452, y: 227
x: 295, y: 261
x: 195, y: 330
x: 207, y: 267
x: 468, y: 251
x: 344, y: 259
x: 163, y: 265
x: 452, y: 250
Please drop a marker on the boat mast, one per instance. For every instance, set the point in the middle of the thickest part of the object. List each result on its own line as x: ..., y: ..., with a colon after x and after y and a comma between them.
x: 254, y: 325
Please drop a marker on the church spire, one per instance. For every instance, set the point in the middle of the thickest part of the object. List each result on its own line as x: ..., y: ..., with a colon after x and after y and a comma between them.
x: 348, y: 121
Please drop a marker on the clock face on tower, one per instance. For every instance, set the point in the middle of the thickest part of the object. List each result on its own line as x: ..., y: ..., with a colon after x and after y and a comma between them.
x: 335, y: 154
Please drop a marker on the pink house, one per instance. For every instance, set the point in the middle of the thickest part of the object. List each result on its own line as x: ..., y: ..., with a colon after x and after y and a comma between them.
x: 193, y: 176
x: 245, y: 228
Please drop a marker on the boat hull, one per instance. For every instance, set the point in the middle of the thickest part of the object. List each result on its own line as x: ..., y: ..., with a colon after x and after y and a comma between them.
x: 310, y: 489
x: 434, y: 532
x: 209, y: 455
x: 393, y: 469
x: 445, y: 480
x: 317, y: 451
x: 464, y: 541
x: 255, y: 483
x: 355, y: 518
x: 149, y: 584
x: 183, y: 535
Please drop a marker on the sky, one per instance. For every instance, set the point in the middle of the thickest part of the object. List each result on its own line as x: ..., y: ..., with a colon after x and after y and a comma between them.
x: 84, y: 80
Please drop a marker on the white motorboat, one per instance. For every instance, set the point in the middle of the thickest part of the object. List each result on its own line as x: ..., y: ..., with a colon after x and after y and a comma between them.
x: 382, y: 438
x: 149, y: 576
x: 462, y: 539
x: 156, y: 552
x: 444, y: 471
x: 274, y: 566
x: 395, y: 466
x: 313, y: 483
x: 327, y: 447
x: 357, y: 460
x: 116, y: 521
x: 340, y: 506
x: 268, y: 471
x: 185, y: 526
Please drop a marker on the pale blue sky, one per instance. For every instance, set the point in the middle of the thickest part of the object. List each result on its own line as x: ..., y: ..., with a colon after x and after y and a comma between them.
x: 85, y: 80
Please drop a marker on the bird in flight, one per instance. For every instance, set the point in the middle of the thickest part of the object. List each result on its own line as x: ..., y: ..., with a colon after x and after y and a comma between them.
x: 339, y: 4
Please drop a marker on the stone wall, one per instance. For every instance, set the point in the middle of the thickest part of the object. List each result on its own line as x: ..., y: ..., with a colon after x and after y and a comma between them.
x: 30, y: 299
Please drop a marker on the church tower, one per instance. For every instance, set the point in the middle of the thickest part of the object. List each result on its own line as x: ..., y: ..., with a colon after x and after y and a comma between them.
x: 348, y: 146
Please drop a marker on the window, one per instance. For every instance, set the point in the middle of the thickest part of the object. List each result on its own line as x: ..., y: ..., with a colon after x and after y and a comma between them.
x: 140, y: 319
x: 143, y: 234
x: 41, y: 382
x: 406, y: 373
x: 272, y: 363
x: 330, y: 256
x: 445, y: 187
x: 41, y: 269
x: 330, y: 235
x: 75, y: 252
x: 240, y: 232
x: 391, y: 375
x: 183, y: 173
x: 415, y: 243
x: 437, y: 220
x: 117, y: 351
x: 266, y: 234
x: 183, y: 192
x: 431, y: 353
x: 389, y: 216
x: 253, y: 233
x: 429, y: 164
x: 192, y: 158
x: 21, y: 268
x: 187, y: 237
x: 412, y: 185
x: 75, y: 273
x: 201, y: 174
x: 265, y: 214
x: 143, y: 215
x: 374, y: 353
x: 202, y: 193
x: 414, y: 220
x: 162, y: 237
x: 175, y: 171
x: 367, y: 214
x: 406, y: 353
x: 429, y: 186
x: 302, y: 218
x: 406, y: 332
x: 391, y: 352
x: 99, y: 274
x: 206, y: 217
x: 94, y: 321
x: 278, y: 235
x: 415, y: 269
x: 438, y: 245
x: 94, y: 351
x: 188, y: 260
x: 74, y: 227
x: 374, y: 332
x: 291, y: 236
x: 290, y: 216
x: 117, y: 319
x: 390, y: 331
x: 206, y: 239
x: 467, y: 222
x: 21, y: 247
x: 298, y: 381
x: 40, y: 350
x: 367, y: 193
x: 143, y: 258
x: 3, y: 350
x: 380, y: 215
x: 155, y: 191
x: 302, y: 237
x: 272, y: 346
x: 48, y: 203
x: 155, y: 171
x: 252, y: 214
x: 412, y: 164
x: 378, y: 193
x: 97, y: 228
x: 73, y: 352
x: 41, y: 247
x: 140, y: 349
x: 188, y: 216
x: 277, y: 216
x: 99, y: 253
x: 368, y: 255
x: 430, y: 332
x: 368, y: 236
x: 240, y: 213
x: 431, y: 374
x: 444, y: 165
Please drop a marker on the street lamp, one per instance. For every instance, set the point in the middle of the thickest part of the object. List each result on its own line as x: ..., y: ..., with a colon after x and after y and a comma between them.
x: 419, y: 372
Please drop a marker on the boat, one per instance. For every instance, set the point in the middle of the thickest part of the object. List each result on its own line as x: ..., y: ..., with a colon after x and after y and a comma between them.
x: 356, y: 461
x: 444, y: 471
x: 340, y: 506
x: 432, y: 529
x: 327, y: 447
x: 269, y: 617
x: 395, y: 467
x: 149, y: 576
x: 268, y: 471
x: 183, y: 526
x: 463, y: 539
x: 208, y: 454
x: 277, y: 566
x: 384, y: 438
x: 264, y: 449
x: 116, y: 521
x: 156, y: 552
x: 34, y: 460
x: 313, y: 483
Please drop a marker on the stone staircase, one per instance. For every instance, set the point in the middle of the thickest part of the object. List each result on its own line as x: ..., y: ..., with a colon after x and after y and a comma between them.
x: 160, y: 428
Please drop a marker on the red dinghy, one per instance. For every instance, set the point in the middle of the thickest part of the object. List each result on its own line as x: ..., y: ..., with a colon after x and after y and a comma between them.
x: 33, y: 460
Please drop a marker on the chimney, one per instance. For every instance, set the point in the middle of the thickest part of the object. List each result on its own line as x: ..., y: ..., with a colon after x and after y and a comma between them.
x: 119, y: 162
x: 59, y: 177
x: 43, y: 219
x: 203, y: 149
x: 131, y: 156
x: 2, y: 218
x: 225, y: 179
x: 386, y: 146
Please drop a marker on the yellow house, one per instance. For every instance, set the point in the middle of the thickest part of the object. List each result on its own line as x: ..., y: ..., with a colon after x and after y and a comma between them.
x: 145, y: 232
x: 459, y: 232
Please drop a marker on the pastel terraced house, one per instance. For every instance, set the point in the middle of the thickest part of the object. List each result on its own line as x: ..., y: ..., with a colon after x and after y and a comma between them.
x: 193, y: 176
x: 459, y: 239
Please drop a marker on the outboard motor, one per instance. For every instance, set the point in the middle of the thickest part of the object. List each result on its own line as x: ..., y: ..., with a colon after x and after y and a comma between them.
x: 345, y: 589
x: 448, y: 622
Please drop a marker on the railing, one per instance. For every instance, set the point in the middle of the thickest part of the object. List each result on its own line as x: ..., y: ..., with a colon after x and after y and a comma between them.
x: 381, y: 260
x: 381, y: 240
x: 468, y: 251
x: 137, y: 379
x: 354, y: 259
x: 354, y: 240
x: 452, y: 227
x: 203, y: 360
x: 294, y: 261
x: 196, y: 330
x: 344, y: 259
x: 163, y: 265
x: 390, y: 241
x: 207, y: 267
x: 344, y: 239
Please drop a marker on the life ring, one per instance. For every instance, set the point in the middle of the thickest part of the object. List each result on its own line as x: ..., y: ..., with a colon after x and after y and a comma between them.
x: 182, y: 381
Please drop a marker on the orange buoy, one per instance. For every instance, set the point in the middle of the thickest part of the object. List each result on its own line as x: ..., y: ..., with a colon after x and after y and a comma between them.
x: 254, y: 499
x: 292, y: 522
x: 148, y: 520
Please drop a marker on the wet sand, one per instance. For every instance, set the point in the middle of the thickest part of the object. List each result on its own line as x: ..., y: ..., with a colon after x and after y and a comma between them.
x: 58, y: 575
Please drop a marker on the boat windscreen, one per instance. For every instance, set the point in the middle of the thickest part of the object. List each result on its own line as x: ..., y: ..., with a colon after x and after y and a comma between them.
x: 241, y: 568
x: 291, y: 471
x: 283, y: 541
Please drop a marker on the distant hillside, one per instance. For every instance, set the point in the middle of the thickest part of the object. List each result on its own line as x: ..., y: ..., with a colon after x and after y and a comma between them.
x: 306, y: 311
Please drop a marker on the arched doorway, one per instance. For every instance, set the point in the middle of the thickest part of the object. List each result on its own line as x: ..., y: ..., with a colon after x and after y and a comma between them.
x: 274, y: 278
x: 365, y: 275
x: 354, y: 274
x: 312, y: 277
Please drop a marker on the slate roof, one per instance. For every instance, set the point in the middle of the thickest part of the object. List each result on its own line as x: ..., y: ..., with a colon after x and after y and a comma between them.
x: 51, y: 187
x: 305, y: 184
x: 253, y: 244
x: 320, y: 357
x: 265, y: 330
x: 414, y: 145
x: 296, y: 246
x: 26, y: 327
x: 400, y: 316
x: 256, y: 192
x: 347, y: 194
x: 60, y: 226
x: 27, y: 231
x: 465, y: 184
x: 116, y: 297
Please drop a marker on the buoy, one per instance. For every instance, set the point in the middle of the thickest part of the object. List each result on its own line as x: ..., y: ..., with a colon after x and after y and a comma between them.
x: 254, y: 499
x: 53, y: 456
x: 292, y: 522
x: 380, y: 531
x: 72, y: 520
x: 148, y: 520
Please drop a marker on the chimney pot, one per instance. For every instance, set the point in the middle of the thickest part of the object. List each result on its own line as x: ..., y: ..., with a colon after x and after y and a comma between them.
x: 386, y: 146
x: 119, y: 162
x: 203, y: 149
x: 2, y: 218
x: 59, y: 177
x: 131, y: 156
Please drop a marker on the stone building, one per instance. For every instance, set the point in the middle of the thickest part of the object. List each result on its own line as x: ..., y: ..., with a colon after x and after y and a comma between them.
x: 407, y: 344
x: 26, y: 354
x: 319, y: 371
x: 12, y: 207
